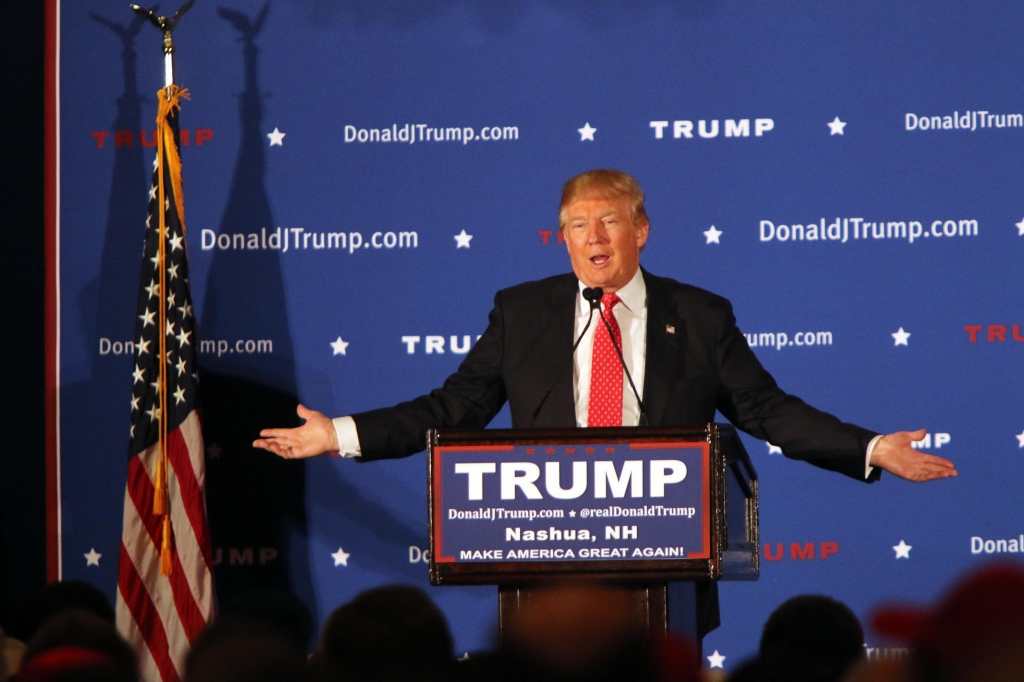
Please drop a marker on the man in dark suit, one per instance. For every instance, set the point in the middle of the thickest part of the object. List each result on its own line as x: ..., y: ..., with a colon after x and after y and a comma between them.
x: 681, y: 345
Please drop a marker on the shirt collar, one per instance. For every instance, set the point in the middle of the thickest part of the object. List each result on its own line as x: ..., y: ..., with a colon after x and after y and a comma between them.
x: 633, y: 295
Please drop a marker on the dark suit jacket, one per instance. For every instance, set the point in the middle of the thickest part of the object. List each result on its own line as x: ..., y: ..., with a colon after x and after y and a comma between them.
x: 697, y: 361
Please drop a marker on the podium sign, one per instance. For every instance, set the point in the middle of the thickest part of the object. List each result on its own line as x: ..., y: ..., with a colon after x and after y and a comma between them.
x: 581, y: 502
x: 611, y: 504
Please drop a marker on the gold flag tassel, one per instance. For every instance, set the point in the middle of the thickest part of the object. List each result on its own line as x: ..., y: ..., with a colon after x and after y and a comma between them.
x: 167, y: 152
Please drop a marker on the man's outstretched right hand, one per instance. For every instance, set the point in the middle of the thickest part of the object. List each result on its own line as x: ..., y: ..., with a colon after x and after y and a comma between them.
x: 315, y: 437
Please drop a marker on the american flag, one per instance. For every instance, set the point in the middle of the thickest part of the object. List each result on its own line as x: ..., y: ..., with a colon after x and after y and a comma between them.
x: 165, y: 587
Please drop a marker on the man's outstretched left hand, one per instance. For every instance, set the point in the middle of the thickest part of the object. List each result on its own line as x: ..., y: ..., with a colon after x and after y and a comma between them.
x: 895, y: 454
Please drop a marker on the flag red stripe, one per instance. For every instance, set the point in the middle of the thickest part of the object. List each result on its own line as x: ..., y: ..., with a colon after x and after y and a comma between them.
x: 141, y: 490
x: 147, y: 619
x: 191, y: 493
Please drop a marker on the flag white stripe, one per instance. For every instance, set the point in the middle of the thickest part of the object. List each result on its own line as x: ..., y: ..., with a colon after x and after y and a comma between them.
x: 148, y: 672
x: 197, y: 573
x: 191, y: 431
x: 146, y: 558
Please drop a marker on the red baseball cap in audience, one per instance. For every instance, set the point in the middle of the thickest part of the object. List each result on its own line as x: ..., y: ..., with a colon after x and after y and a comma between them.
x: 984, y: 607
x: 62, y: 661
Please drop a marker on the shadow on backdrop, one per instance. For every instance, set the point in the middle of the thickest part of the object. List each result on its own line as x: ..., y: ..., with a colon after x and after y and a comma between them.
x: 500, y: 17
x: 99, y: 427
x: 256, y: 501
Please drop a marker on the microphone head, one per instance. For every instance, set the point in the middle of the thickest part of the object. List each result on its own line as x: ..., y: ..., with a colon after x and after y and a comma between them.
x: 593, y: 295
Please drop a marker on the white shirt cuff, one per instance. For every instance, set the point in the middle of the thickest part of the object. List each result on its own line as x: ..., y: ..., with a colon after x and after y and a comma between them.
x: 867, y: 460
x: 348, y: 437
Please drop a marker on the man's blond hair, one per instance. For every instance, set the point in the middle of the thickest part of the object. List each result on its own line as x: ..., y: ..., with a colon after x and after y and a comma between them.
x: 604, y: 184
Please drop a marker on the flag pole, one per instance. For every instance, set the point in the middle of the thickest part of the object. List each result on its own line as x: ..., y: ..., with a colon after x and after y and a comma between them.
x: 167, y: 156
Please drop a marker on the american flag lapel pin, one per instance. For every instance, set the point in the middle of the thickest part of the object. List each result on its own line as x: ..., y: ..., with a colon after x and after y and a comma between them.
x: 669, y: 329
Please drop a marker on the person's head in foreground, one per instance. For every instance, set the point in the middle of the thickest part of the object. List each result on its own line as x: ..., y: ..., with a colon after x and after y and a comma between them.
x: 391, y: 633
x: 583, y: 633
x: 975, y: 633
x: 238, y: 649
x: 810, y: 637
x: 78, y: 645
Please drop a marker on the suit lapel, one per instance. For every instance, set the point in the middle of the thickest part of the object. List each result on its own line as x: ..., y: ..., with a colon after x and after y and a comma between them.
x: 559, y: 410
x: 666, y: 334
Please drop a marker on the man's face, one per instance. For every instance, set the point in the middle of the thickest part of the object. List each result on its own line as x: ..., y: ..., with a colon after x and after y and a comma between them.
x: 604, y: 244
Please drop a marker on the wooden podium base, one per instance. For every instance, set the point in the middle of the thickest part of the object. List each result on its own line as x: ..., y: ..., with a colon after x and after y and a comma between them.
x: 689, y: 609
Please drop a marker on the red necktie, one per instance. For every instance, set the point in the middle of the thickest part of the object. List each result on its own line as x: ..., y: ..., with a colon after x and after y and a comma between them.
x: 605, y: 405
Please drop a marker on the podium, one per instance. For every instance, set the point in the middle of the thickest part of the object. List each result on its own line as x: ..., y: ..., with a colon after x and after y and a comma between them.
x: 662, y: 512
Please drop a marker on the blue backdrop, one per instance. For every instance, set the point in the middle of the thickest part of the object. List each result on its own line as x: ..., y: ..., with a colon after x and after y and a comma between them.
x: 847, y: 174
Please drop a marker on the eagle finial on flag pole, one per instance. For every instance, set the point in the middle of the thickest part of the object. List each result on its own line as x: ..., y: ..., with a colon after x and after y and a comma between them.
x: 166, y: 25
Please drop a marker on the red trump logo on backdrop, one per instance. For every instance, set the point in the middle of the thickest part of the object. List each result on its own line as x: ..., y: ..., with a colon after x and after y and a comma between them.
x: 800, y: 551
x: 994, y: 332
x: 126, y: 138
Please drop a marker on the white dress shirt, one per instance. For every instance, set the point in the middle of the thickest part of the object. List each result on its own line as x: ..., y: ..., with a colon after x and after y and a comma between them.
x: 631, y: 314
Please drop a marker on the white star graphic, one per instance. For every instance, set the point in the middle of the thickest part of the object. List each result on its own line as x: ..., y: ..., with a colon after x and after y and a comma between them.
x: 462, y: 240
x: 214, y: 451
x: 179, y: 395
x: 154, y: 413
x: 465, y: 656
x: 156, y: 160
x: 1020, y: 228
x: 341, y: 557
x: 181, y: 367
x: 586, y: 132
x: 186, y: 310
x: 153, y: 289
x: 149, y: 218
x: 901, y: 337
x: 142, y: 345
x: 170, y: 300
x: 774, y: 449
x: 836, y: 127
x: 716, y: 660
x: 92, y: 558
x: 1020, y: 439
x: 135, y: 402
x: 183, y: 338
x: 138, y: 375
x: 147, y: 318
x: 902, y: 550
x: 152, y: 193
x: 176, y: 241
x: 276, y: 138
x: 339, y: 347
x: 712, y: 235
x: 170, y: 328
x: 173, y: 270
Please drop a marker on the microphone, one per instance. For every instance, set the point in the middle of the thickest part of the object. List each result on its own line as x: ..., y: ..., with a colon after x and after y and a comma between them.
x: 622, y: 361
x: 593, y: 296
